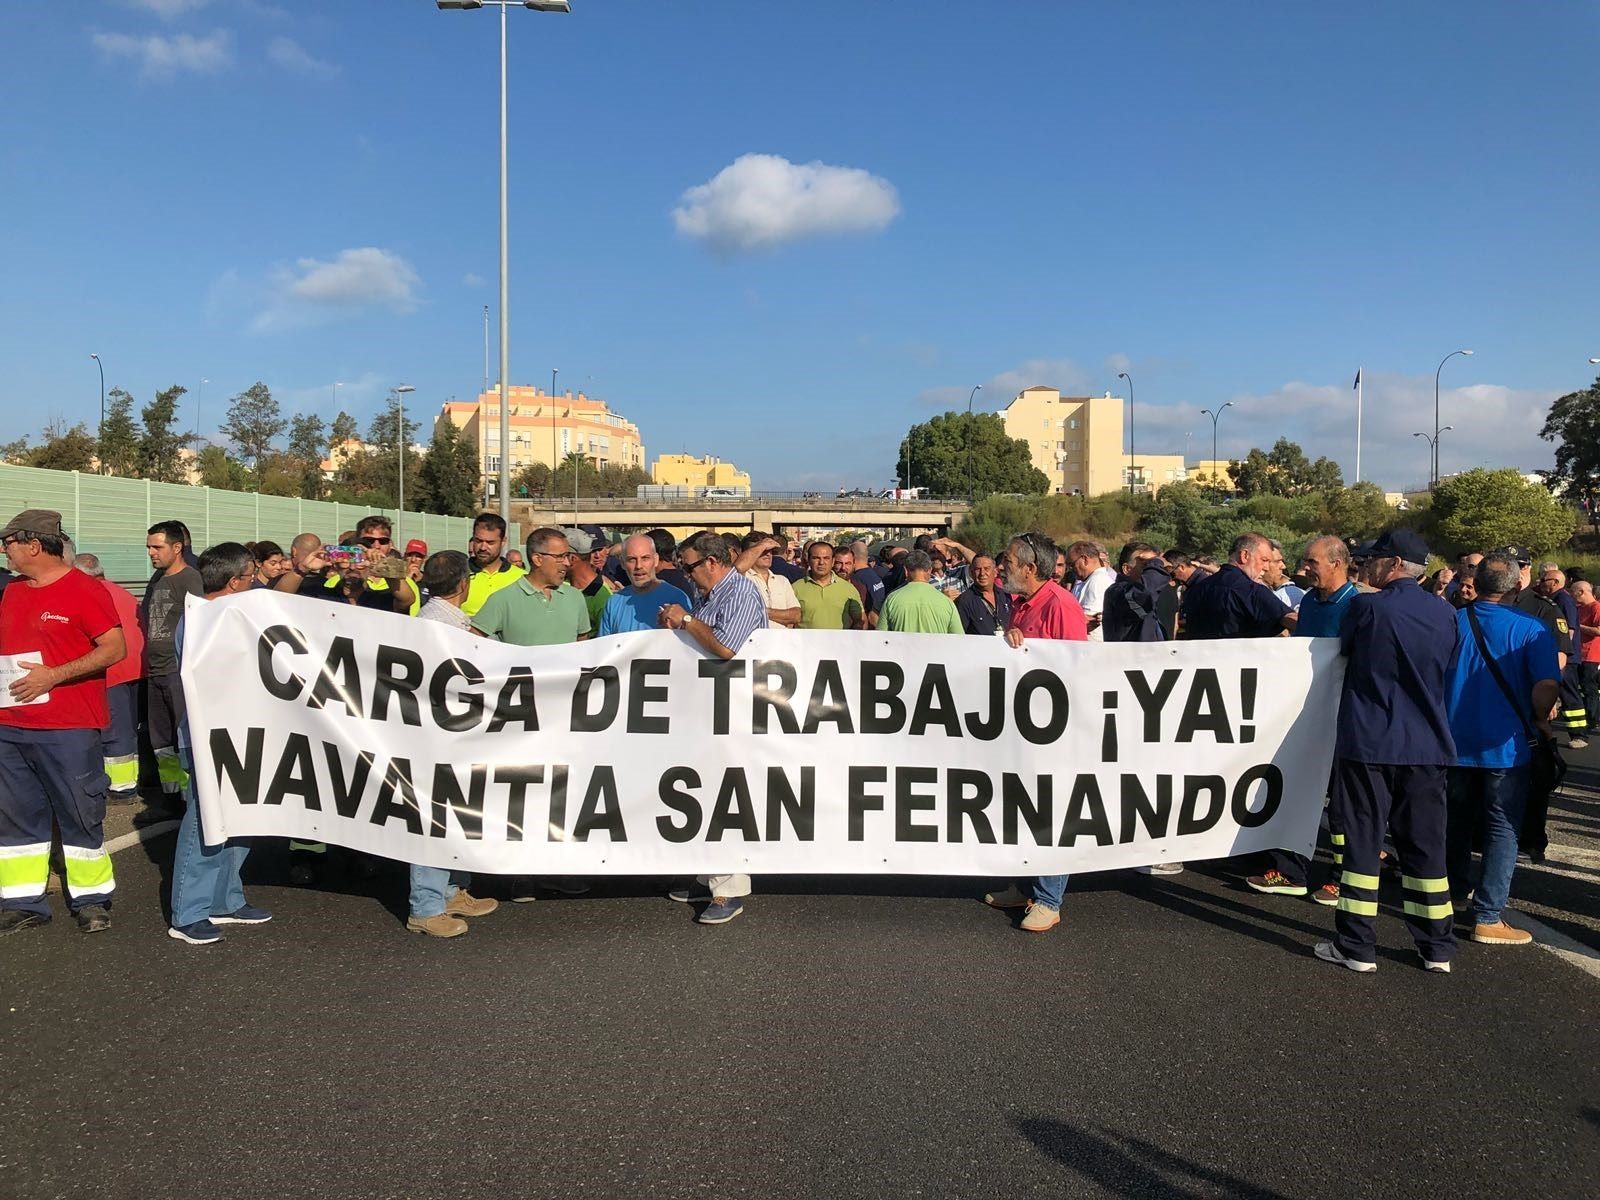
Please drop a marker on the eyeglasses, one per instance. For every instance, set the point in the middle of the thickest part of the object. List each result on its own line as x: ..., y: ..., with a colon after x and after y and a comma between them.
x: 369, y: 542
x: 565, y: 554
x: 688, y: 566
x: 14, y: 537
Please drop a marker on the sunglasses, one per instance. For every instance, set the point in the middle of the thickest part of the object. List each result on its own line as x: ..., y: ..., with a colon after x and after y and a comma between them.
x: 690, y: 566
x: 369, y: 542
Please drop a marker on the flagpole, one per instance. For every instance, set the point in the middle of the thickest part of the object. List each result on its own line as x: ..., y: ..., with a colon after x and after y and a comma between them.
x: 1358, y: 424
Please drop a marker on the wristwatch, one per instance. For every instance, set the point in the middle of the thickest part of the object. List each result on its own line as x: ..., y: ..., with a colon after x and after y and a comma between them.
x: 688, y: 619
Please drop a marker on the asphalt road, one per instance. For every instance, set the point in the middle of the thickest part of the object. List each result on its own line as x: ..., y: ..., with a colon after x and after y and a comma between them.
x: 846, y: 1037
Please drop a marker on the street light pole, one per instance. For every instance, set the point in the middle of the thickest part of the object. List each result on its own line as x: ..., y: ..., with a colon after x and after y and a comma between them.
x: 1434, y: 441
x: 563, y: 6
x: 198, y: 405
x: 101, y: 433
x: 555, y: 455
x: 1215, y: 417
x: 1433, y: 446
x: 972, y: 493
x: 1132, y: 469
x: 400, y: 431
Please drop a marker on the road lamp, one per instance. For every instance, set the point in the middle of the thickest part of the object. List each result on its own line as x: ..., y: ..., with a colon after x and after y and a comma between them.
x: 555, y: 455
x: 562, y: 6
x: 198, y: 406
x: 1433, y: 448
x: 400, y: 434
x: 101, y: 434
x: 1594, y: 361
x: 1215, y: 417
x: 972, y: 495
x: 1434, y: 441
x: 1131, y: 468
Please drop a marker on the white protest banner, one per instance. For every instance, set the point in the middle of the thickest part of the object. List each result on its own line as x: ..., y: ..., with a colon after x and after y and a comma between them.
x: 811, y: 752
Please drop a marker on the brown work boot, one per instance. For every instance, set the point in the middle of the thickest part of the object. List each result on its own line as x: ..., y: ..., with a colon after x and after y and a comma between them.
x: 441, y: 926
x: 464, y: 904
x: 1009, y: 897
x: 1500, y: 934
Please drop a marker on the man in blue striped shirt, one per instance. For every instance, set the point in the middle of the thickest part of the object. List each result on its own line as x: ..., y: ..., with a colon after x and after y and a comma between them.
x: 729, y: 611
x: 1321, y: 611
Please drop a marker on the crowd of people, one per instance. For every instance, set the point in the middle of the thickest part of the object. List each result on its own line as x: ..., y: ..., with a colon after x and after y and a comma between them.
x: 1455, y: 685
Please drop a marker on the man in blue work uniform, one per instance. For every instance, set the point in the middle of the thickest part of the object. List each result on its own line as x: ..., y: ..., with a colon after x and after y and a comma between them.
x: 1391, y: 754
x: 1234, y: 603
x: 1321, y: 613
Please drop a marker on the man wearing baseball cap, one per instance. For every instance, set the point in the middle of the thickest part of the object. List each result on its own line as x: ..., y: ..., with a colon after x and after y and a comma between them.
x: 1392, y: 749
x: 59, y: 632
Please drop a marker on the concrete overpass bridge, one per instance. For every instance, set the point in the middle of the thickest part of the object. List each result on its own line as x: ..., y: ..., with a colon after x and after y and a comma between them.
x: 765, y: 512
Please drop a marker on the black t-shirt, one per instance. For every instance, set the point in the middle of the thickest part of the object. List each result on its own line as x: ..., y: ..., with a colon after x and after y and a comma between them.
x: 327, y: 585
x: 1535, y: 605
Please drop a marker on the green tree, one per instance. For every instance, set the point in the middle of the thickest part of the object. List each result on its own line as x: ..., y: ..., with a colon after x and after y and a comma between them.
x: 220, y: 470
x: 1284, y: 471
x: 449, y: 474
x: 307, y: 438
x: 161, y: 441
x: 383, y: 467
x: 253, y: 423
x: 1481, y: 510
x: 1573, y: 423
x: 942, y: 450
x: 119, y: 435
x: 15, y: 453
x: 344, y: 429
x: 64, y: 448
x: 1360, y: 511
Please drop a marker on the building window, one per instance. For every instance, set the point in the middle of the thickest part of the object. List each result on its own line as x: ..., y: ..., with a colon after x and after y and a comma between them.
x: 1072, y: 422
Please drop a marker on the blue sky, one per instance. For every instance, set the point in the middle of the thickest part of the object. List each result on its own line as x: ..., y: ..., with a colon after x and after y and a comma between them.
x: 1233, y: 202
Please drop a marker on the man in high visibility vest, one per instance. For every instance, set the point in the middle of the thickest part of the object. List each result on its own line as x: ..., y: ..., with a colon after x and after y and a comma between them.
x: 491, y: 570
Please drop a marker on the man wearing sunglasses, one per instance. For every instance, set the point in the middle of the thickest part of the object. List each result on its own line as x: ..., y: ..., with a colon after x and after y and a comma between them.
x: 729, y: 611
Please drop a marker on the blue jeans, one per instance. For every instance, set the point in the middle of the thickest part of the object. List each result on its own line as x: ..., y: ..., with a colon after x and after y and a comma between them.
x: 1492, y: 801
x: 205, y: 879
x: 432, y: 887
x: 1046, y: 889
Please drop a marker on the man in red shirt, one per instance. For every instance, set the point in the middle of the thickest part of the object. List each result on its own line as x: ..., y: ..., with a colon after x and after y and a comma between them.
x: 58, y: 637
x: 1040, y: 608
x: 120, y: 742
x: 1589, y: 651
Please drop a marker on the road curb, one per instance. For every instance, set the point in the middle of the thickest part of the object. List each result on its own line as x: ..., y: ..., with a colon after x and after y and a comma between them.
x: 1585, y: 958
x: 143, y: 834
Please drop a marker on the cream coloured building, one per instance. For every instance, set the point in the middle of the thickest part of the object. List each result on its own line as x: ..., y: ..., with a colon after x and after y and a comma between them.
x: 1152, y: 472
x: 685, y: 470
x: 1213, y: 470
x: 545, y: 429
x: 1075, y: 440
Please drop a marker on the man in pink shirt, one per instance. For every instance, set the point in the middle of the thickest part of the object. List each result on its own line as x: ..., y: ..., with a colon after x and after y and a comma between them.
x: 120, y: 740
x: 1040, y: 609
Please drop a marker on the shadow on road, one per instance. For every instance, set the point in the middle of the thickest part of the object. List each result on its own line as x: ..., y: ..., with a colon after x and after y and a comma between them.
x: 1129, y: 1166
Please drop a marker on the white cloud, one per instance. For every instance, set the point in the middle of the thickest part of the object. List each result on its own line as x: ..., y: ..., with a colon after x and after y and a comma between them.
x: 367, y: 277
x: 292, y: 56
x: 1116, y: 363
x: 763, y: 200
x: 473, y: 280
x: 1000, y: 390
x: 163, y: 57
x: 1494, y: 426
x: 168, y: 10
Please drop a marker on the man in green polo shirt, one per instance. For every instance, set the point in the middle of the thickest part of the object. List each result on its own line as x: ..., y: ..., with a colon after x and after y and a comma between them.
x: 916, y: 606
x: 827, y: 601
x: 540, y: 608
x: 491, y: 568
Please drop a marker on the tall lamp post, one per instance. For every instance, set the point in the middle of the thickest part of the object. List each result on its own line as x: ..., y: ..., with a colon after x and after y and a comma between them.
x: 1215, y: 417
x: 1434, y: 440
x: 101, y: 432
x: 198, y: 405
x: 1433, y: 447
x: 400, y: 438
x: 972, y: 493
x: 1132, y: 469
x: 561, y: 6
x: 555, y: 455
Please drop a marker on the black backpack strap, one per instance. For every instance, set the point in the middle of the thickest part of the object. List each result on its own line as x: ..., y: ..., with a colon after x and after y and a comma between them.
x: 1494, y: 669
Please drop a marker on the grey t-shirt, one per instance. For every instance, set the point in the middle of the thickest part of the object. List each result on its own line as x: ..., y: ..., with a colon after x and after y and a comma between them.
x: 162, y: 610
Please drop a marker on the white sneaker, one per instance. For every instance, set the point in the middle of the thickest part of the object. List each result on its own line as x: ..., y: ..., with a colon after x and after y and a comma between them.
x: 1429, y: 964
x: 1330, y: 953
